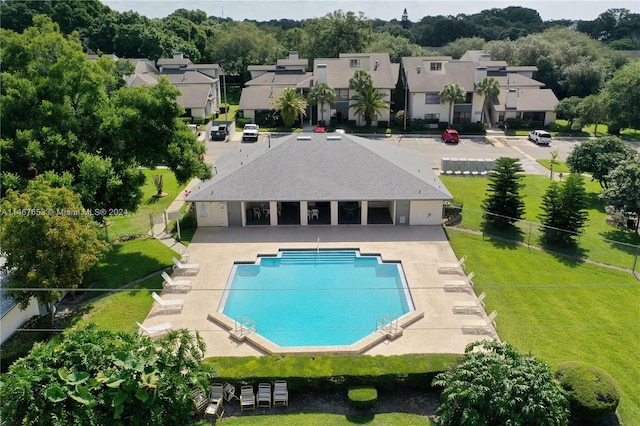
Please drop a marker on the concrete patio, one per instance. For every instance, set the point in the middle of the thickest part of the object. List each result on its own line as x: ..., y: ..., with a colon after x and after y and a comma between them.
x: 420, y: 248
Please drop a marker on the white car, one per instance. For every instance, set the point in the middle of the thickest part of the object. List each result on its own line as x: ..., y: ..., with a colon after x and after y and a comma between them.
x: 250, y: 131
x: 540, y: 137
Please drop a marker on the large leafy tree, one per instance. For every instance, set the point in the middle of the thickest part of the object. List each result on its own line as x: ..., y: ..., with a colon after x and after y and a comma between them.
x: 497, y: 385
x: 450, y: 94
x: 322, y: 94
x: 369, y: 102
x: 97, y: 377
x: 564, y: 213
x: 490, y: 89
x: 503, y: 204
x: 623, y: 192
x: 64, y: 113
x: 592, y: 110
x: 291, y: 105
x: 622, y: 94
x: 360, y: 80
x: 396, y: 46
x: 335, y: 33
x: 599, y: 157
x: 568, y: 109
x: 49, y: 240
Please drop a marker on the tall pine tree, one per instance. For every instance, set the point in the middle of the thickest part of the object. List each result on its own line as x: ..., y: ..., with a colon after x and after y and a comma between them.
x: 564, y: 210
x: 503, y: 205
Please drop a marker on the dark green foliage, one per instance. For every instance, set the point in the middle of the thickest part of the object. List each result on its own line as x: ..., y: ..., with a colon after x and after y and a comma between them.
x: 564, y: 210
x: 599, y: 157
x: 241, y: 121
x: 496, y: 385
x: 503, y: 204
x: 94, y: 377
x: 329, y: 373
x: 20, y: 343
x: 383, y: 124
x: 472, y: 128
x: 363, y: 397
x: 592, y: 391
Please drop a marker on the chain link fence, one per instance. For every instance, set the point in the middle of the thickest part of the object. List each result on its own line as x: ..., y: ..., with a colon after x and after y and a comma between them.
x: 622, y: 252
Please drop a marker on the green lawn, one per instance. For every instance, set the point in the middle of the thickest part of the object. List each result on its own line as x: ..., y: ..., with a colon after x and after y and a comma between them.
x: 138, y: 223
x: 559, y: 309
x: 315, y: 419
x: 600, y: 241
x: 130, y: 261
x: 558, y: 167
x: 121, y: 310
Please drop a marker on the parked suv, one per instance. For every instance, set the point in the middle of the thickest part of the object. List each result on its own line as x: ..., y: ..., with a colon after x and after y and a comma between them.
x: 540, y: 137
x: 450, y: 136
x: 250, y: 131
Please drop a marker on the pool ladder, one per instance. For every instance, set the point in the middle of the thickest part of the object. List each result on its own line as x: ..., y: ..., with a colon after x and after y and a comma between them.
x: 388, y: 325
x: 243, y: 326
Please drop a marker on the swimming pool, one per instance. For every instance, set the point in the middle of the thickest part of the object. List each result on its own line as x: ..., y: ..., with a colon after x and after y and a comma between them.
x: 316, y: 298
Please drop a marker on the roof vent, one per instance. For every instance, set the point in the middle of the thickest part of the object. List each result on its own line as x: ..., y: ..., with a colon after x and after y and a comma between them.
x: 375, y: 66
x: 419, y: 68
x: 304, y: 138
x: 334, y: 138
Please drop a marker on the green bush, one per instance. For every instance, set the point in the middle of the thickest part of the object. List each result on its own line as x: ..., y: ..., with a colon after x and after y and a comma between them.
x: 351, y: 123
x: 305, y: 373
x: 443, y: 125
x: 241, y: 121
x: 223, y: 107
x: 592, y: 391
x: 472, y: 128
x: 363, y: 397
x: 383, y: 124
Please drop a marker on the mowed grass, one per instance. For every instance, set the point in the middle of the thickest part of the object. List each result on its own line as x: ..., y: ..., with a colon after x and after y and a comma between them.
x: 120, y: 311
x: 558, y: 166
x: 129, y: 261
x: 138, y: 223
x: 559, y: 309
x: 600, y: 241
x: 315, y: 419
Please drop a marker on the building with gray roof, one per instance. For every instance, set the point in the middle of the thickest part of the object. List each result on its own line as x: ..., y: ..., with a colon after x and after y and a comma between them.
x: 320, y: 179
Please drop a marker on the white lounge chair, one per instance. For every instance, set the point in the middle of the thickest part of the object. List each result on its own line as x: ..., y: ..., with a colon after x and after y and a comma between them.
x: 171, y: 283
x: 481, y: 326
x: 470, y: 306
x: 280, y: 394
x: 247, y: 398
x: 167, y: 304
x: 155, y: 330
x: 453, y: 268
x: 457, y: 285
x: 264, y: 395
x: 184, y: 267
x: 230, y: 392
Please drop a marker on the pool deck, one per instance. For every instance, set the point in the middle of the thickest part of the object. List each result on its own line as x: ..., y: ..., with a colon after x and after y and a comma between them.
x: 420, y: 248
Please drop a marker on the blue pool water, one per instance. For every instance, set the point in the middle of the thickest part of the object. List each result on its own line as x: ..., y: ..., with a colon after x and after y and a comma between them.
x: 309, y: 298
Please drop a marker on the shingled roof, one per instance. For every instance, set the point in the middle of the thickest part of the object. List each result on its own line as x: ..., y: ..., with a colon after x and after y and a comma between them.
x: 321, y: 169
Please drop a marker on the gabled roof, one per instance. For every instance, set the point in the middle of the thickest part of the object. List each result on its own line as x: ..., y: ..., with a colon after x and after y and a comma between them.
x: 142, y: 80
x: 178, y: 77
x: 259, y: 97
x: 193, y: 96
x: 289, y: 78
x: 340, y: 70
x: 319, y: 169
x: 420, y: 79
x: 529, y: 100
x: 517, y: 80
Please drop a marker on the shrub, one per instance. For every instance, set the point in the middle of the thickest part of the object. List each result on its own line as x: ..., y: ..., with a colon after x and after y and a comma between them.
x: 363, y: 397
x: 398, y: 118
x: 240, y: 122
x: 592, y: 391
x: 20, y: 343
x: 472, y: 128
x: 419, y: 124
x: 351, y: 123
x: 223, y: 107
x: 442, y: 125
x: 383, y: 124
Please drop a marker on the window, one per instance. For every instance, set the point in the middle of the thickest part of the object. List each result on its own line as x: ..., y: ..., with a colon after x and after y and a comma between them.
x: 432, y: 99
x: 432, y: 118
x: 435, y: 66
x: 468, y: 98
x: 342, y: 94
x: 354, y: 63
x: 460, y: 117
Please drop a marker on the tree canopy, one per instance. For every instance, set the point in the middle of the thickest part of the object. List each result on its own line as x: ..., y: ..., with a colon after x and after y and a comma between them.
x: 291, y: 105
x: 49, y: 240
x: 564, y: 210
x: 97, y: 377
x: 503, y: 204
x: 497, y: 385
x: 623, y: 191
x: 599, y: 157
x: 450, y: 94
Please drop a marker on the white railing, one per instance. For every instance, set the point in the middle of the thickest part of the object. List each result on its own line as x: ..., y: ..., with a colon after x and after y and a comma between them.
x: 243, y: 326
x: 387, y: 324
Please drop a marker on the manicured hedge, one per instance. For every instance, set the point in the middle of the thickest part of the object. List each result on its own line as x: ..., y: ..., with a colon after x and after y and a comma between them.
x: 592, y: 391
x: 363, y: 397
x: 331, y: 372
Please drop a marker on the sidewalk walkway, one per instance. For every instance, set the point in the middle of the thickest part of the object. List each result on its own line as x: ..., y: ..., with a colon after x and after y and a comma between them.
x: 159, y: 229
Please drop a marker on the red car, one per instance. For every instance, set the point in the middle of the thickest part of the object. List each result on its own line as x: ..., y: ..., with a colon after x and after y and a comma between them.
x: 320, y: 129
x: 450, y: 136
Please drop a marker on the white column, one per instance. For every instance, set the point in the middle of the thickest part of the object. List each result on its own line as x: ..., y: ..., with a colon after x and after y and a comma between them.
x: 364, y: 212
x: 243, y: 213
x: 273, y: 213
x: 304, y: 219
x: 334, y: 213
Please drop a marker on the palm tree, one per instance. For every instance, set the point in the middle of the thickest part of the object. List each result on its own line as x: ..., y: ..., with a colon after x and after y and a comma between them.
x: 490, y: 89
x: 360, y: 81
x: 369, y: 102
x: 452, y: 93
x: 290, y: 104
x: 322, y: 94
